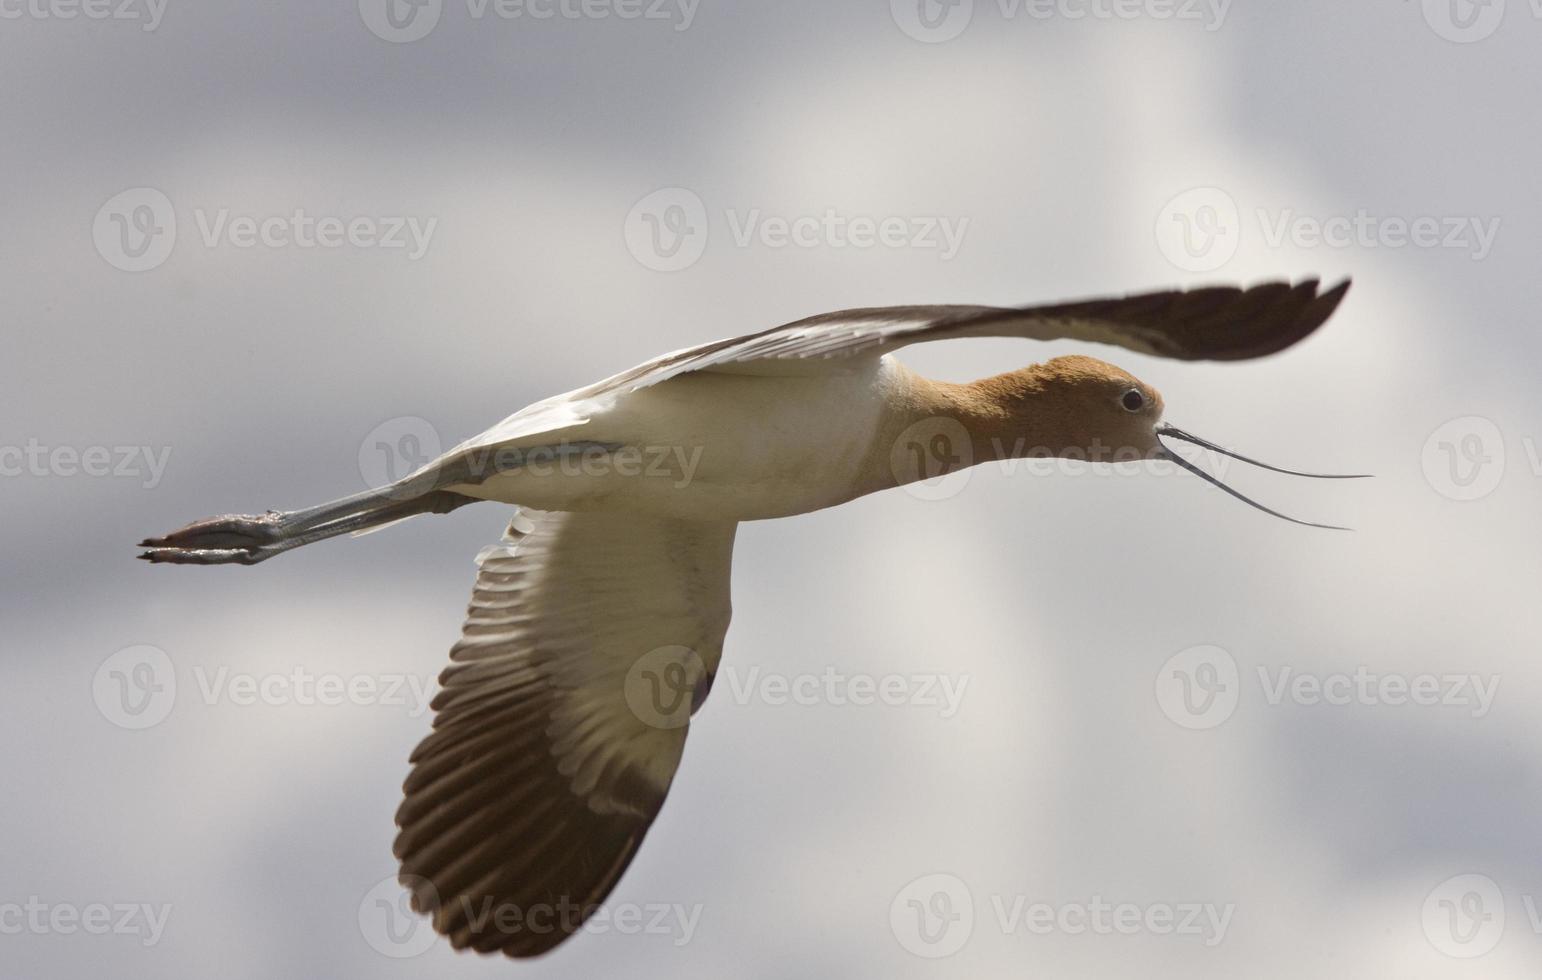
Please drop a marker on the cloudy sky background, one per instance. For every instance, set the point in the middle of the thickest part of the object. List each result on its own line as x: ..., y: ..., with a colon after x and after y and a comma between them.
x: 271, y: 373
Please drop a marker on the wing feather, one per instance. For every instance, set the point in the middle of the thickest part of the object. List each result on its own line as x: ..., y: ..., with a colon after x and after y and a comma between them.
x: 1215, y: 323
x: 544, y: 770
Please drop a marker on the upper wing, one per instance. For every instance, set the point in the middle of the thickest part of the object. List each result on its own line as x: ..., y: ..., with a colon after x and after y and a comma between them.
x: 1216, y: 323
x: 591, y: 638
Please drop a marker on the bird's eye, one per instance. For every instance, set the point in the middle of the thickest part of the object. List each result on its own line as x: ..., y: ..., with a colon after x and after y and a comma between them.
x: 1133, y: 400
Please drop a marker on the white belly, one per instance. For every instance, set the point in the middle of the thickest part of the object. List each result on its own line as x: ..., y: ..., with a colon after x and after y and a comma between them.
x: 707, y: 445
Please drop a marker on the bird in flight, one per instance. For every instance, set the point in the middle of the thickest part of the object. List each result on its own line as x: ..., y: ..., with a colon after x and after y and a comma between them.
x: 597, y: 623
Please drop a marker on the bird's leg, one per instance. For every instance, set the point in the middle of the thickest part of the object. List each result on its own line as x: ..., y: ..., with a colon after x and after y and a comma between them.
x: 248, y: 539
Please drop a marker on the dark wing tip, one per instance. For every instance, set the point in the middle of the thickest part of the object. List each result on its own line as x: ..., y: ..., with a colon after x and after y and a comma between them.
x: 1318, y: 311
x: 1256, y: 322
x: 489, y: 890
x: 496, y: 847
x: 1207, y: 323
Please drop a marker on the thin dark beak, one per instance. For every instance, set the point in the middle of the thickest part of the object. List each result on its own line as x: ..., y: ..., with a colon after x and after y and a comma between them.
x: 1176, y: 433
x: 1173, y: 431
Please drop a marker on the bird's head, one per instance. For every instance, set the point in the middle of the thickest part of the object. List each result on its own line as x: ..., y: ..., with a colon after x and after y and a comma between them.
x: 1082, y: 408
x: 1077, y: 408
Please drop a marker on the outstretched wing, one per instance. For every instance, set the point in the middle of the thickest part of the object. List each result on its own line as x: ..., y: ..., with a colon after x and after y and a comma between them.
x: 562, y: 717
x: 1216, y: 323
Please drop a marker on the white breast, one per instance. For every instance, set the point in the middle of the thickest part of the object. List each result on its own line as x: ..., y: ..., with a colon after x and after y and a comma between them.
x: 708, y: 445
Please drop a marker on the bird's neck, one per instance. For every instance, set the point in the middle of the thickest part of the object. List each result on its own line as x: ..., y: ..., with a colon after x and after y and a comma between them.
x: 938, y: 427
